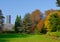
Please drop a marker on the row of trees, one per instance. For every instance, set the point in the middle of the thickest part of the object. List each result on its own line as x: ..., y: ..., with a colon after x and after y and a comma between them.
x: 27, y: 25
x: 23, y: 25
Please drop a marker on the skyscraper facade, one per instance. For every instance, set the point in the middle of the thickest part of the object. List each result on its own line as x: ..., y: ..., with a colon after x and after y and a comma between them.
x: 8, y: 19
x: 8, y: 25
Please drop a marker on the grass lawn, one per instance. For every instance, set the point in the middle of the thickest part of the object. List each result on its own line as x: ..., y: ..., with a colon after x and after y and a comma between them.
x: 25, y: 38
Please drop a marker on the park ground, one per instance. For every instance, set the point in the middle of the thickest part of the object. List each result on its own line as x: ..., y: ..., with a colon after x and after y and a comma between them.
x: 25, y: 38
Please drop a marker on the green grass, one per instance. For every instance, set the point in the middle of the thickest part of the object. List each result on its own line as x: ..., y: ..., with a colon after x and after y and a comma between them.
x: 3, y: 40
x: 56, y: 34
x: 25, y: 38
x: 13, y: 35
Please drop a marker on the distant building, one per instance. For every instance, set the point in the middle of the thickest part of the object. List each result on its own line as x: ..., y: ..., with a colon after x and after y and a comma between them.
x: 8, y: 19
x: 8, y: 25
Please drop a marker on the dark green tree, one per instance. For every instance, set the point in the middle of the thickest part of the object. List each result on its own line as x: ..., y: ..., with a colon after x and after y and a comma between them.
x: 58, y: 2
x: 27, y: 23
x: 54, y: 22
x: 58, y: 26
x: 18, y: 24
x: 1, y: 21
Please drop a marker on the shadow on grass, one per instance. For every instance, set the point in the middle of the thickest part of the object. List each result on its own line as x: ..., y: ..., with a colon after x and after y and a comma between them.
x: 2, y: 40
x: 14, y: 35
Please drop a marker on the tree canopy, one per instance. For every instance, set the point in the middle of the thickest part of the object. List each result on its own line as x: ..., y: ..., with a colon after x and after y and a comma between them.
x: 1, y: 20
x: 58, y: 2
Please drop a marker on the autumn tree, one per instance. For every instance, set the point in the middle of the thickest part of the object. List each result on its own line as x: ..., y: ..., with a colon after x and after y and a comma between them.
x: 1, y: 20
x: 43, y: 29
x: 35, y: 17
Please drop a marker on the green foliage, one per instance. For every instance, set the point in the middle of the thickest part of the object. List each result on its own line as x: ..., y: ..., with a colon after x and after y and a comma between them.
x: 43, y: 30
x: 13, y: 27
x: 57, y: 33
x: 36, y: 31
x: 58, y: 2
x: 54, y: 22
x: 27, y: 23
x: 1, y: 20
x: 18, y: 24
x: 58, y: 25
x: 13, y: 35
x: 54, y: 34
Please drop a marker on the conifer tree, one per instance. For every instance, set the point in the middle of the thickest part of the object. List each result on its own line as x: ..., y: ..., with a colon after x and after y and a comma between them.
x: 18, y: 24
x: 27, y: 23
x: 1, y: 20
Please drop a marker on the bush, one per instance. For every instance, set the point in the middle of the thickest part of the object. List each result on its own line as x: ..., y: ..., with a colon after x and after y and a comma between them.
x: 55, y: 34
x: 43, y: 31
x: 8, y: 32
x: 36, y: 31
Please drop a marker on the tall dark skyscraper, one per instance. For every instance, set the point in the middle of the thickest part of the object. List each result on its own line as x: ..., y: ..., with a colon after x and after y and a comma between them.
x: 8, y: 19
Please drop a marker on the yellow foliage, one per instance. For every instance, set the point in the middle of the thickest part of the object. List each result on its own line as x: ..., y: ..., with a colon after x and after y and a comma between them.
x: 46, y: 19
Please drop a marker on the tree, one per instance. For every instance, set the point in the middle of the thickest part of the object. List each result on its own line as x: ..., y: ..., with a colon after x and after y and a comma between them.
x: 43, y: 29
x: 58, y: 26
x: 27, y: 23
x: 1, y: 20
x: 18, y: 24
x: 58, y: 2
x: 54, y: 22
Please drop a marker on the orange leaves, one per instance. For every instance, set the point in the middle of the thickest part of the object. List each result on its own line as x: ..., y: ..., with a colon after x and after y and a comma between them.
x: 39, y: 25
x: 35, y: 15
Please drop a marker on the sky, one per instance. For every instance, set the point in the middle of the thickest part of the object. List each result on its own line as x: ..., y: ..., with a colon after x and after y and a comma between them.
x: 21, y: 7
